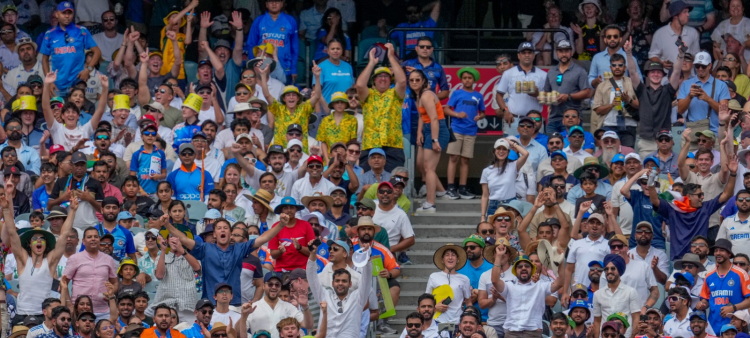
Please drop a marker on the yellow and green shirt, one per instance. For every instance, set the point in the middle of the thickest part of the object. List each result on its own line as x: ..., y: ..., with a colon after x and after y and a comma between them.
x: 330, y: 133
x: 283, y: 118
x: 382, y: 120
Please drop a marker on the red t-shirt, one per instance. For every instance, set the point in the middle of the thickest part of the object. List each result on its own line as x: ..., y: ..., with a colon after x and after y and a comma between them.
x: 291, y: 258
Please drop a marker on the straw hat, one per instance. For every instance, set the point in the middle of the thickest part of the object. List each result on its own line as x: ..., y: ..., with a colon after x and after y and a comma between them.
x: 263, y: 197
x: 19, y: 330
x: 219, y: 326
x: 437, y: 258
x: 489, y: 251
x: 328, y: 200
x: 503, y: 212
x: 366, y: 221
x: 550, y: 257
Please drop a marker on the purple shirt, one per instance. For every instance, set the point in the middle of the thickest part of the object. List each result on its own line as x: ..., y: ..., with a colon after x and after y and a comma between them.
x: 88, y: 275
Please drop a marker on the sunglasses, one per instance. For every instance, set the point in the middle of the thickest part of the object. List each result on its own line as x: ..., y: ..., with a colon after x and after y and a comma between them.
x: 593, y: 268
x: 613, y: 36
x: 743, y: 199
x: 674, y: 299
x: 204, y: 92
x: 351, y: 151
x: 187, y: 153
x: 617, y: 65
x: 701, y: 66
x: 295, y: 150
x: 691, y: 166
x: 150, y: 238
x: 385, y: 191
x: 664, y: 139
x: 502, y: 219
x: 617, y: 246
x: 700, y: 195
x: 56, y: 106
x: 363, y: 208
x: 153, y: 110
x: 219, y: 335
x: 205, y: 312
x: 274, y: 285
x: 569, y: 116
x: 488, y: 232
x: 149, y: 133
x: 108, y: 20
x: 576, y: 135
x: 294, y: 134
x: 248, y: 76
x: 689, y: 266
x: 163, y: 91
x: 314, y: 166
x: 525, y: 126
x: 643, y: 231
x: 6, y: 31
x: 578, y: 295
x: 87, y: 319
x: 413, y: 325
x: 243, y: 93
x: 742, y: 264
x: 471, y: 247
x: 696, y: 245
x: 314, y: 224
x: 353, y: 97
x: 224, y: 292
x: 424, y: 47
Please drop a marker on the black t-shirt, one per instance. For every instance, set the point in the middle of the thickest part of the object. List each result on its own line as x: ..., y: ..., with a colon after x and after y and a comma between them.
x: 597, y: 202
x: 21, y: 204
x: 64, y: 184
x: 655, y: 111
x: 143, y: 205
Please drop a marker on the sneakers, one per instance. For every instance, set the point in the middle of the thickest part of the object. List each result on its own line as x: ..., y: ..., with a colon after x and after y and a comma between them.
x: 440, y: 193
x: 466, y: 194
x: 422, y: 192
x: 384, y: 328
x: 403, y: 259
x: 426, y: 208
x: 451, y: 193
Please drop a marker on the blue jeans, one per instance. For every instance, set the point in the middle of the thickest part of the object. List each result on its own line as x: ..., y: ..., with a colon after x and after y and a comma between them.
x: 494, y: 204
x: 554, y: 126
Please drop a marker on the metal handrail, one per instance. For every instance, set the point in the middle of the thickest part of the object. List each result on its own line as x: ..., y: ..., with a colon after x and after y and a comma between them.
x: 478, y: 32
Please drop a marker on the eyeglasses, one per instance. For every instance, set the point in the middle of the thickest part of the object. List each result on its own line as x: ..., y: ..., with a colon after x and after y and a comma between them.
x: 617, y: 65
x: 701, y: 66
x: 385, y: 191
x: 613, y: 36
x: 199, y: 140
x: 593, y: 268
x: 487, y: 232
x: 38, y: 239
x: 205, y: 312
x: 413, y: 325
x: 108, y: 327
x: 224, y: 292
x: 617, y: 246
x: 248, y: 76
x: 696, y: 245
x: 611, y: 268
x: 417, y: 80
x: 243, y: 93
x: 149, y: 133
x: 150, y: 238
x: 502, y: 219
x: 314, y: 166
x: 424, y: 47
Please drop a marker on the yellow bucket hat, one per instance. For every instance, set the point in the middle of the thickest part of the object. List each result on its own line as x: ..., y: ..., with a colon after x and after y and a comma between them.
x: 380, y: 70
x: 339, y: 97
x: 194, y: 102
x: 166, y: 19
x: 267, y: 47
x: 122, y: 101
x: 290, y: 89
x: 26, y: 102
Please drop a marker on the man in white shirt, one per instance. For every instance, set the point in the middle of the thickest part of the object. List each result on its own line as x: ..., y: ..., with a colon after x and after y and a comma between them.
x: 663, y: 48
x: 27, y: 51
x: 109, y: 40
x: 575, y: 150
x: 271, y: 309
x: 638, y: 273
x: 489, y: 297
x: 345, y: 312
x: 426, y: 308
x: 620, y: 206
x: 592, y: 248
x: 314, y: 182
x: 394, y: 220
x: 519, y: 104
x: 679, y: 305
x: 46, y: 326
x: 616, y: 296
x: 222, y: 313
x: 525, y: 298
x: 736, y: 228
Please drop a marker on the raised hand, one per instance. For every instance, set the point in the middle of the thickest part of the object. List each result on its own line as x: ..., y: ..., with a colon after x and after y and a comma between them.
x: 628, y: 46
x: 134, y: 35
x: 73, y: 204
x: 51, y: 77
x: 686, y: 135
x: 236, y: 20
x: 391, y: 49
x: 316, y: 70
x: 733, y: 164
x: 171, y: 35
x: 247, y: 308
x: 206, y: 20
x: 584, y: 207
x: 576, y: 29
x: 283, y: 219
x: 539, y: 201
x: 724, y: 112
x: 203, y: 46
x: 236, y: 149
x: 323, y: 306
x: 143, y: 57
x: 104, y: 80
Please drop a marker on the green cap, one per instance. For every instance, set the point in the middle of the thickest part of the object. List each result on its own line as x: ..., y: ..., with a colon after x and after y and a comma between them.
x: 475, y: 239
x: 471, y: 70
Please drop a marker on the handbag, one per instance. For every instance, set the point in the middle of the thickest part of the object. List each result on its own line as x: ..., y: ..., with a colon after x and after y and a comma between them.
x: 700, y: 125
x: 451, y: 136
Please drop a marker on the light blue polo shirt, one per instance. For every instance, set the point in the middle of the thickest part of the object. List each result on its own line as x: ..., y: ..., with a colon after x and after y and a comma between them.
x: 698, y: 108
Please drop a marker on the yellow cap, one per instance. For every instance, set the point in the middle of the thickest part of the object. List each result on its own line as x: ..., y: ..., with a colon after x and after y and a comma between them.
x: 380, y: 70
x: 26, y: 102
x: 122, y: 101
x: 290, y: 89
x: 339, y: 97
x: 194, y: 102
x: 267, y: 47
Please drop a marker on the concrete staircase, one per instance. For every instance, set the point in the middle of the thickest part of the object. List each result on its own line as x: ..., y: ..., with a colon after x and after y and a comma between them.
x: 452, y: 223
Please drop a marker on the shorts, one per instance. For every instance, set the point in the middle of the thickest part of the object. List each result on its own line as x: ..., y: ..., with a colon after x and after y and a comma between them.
x: 443, y: 135
x: 393, y: 283
x: 463, y: 146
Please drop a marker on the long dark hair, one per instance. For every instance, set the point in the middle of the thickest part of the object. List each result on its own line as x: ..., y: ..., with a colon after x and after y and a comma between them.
x: 339, y: 34
x: 416, y: 95
x: 494, y: 161
x: 98, y: 326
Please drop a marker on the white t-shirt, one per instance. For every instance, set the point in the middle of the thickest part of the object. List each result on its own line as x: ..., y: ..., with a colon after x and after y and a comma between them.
x: 224, y: 317
x: 207, y: 114
x: 225, y: 138
x: 610, y: 119
x: 284, y: 182
x: 498, y: 312
x: 625, y: 218
x: 108, y: 45
x: 395, y: 222
x: 461, y: 290
x: 639, y: 276
x: 10, y: 266
x: 502, y: 186
x: 69, y: 137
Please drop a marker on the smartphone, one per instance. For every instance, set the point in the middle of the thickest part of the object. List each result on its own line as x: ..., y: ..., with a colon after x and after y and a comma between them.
x: 644, y: 318
x: 315, y: 243
x: 447, y: 301
x: 450, y: 327
x: 266, y: 62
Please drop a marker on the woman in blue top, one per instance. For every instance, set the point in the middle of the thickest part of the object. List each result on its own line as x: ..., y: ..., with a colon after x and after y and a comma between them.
x: 330, y: 28
x: 336, y: 75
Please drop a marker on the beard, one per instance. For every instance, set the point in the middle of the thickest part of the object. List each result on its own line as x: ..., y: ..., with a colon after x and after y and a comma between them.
x: 15, y: 136
x: 644, y: 241
x: 608, y: 154
x: 472, y: 256
x: 366, y: 238
x: 595, y: 278
x: 415, y: 333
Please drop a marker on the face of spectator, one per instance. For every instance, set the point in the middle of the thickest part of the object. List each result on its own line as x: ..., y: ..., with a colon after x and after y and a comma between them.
x: 635, y: 10
x: 559, y: 327
x: 364, y: 211
x: 697, y: 326
x: 248, y: 78
x: 223, y: 53
x: 576, y: 140
x: 163, y: 319
x: 10, y: 17
x: 86, y: 324
x: 722, y: 75
x: 617, y: 68
x: 382, y: 82
x: 77, y: 97
x: 553, y: 19
x: 704, y: 162
x: 128, y: 89
x: 315, y: 169
x: 554, y: 144
x: 613, y: 38
x: 222, y: 232
x: 414, y: 327
x: 526, y: 129
x: 424, y: 49
x: 468, y: 326
x: 274, y: 6
x: 335, y: 50
x: 385, y: 195
x: 570, y: 118
x: 376, y: 161
x: 210, y: 131
x: 590, y: 10
x: 741, y: 262
x: 702, y: 71
x: 204, y: 74
x: 736, y: 9
x: 26, y: 53
x: 526, y: 57
x: 502, y: 64
x: 413, y: 14
x: 62, y: 322
x: 341, y: 284
x: 722, y: 255
x: 733, y: 46
x: 125, y: 306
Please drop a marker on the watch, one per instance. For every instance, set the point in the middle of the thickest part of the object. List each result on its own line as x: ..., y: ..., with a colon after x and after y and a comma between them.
x: 238, y: 29
x: 435, y: 140
x: 90, y: 69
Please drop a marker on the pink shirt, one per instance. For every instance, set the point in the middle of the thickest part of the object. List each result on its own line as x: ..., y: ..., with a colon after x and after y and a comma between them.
x: 88, y: 275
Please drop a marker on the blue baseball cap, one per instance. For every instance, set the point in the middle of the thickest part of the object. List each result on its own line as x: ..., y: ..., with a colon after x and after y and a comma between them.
x: 270, y: 275
x: 727, y: 327
x: 341, y: 244
x: 687, y: 276
x: 574, y: 129
x: 212, y: 214
x: 619, y: 158
x: 376, y: 151
x: 580, y: 303
x: 558, y: 153
x: 651, y: 158
x: 199, y: 133
x: 600, y: 263
x: 65, y: 6
x: 700, y: 314
x: 124, y: 215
